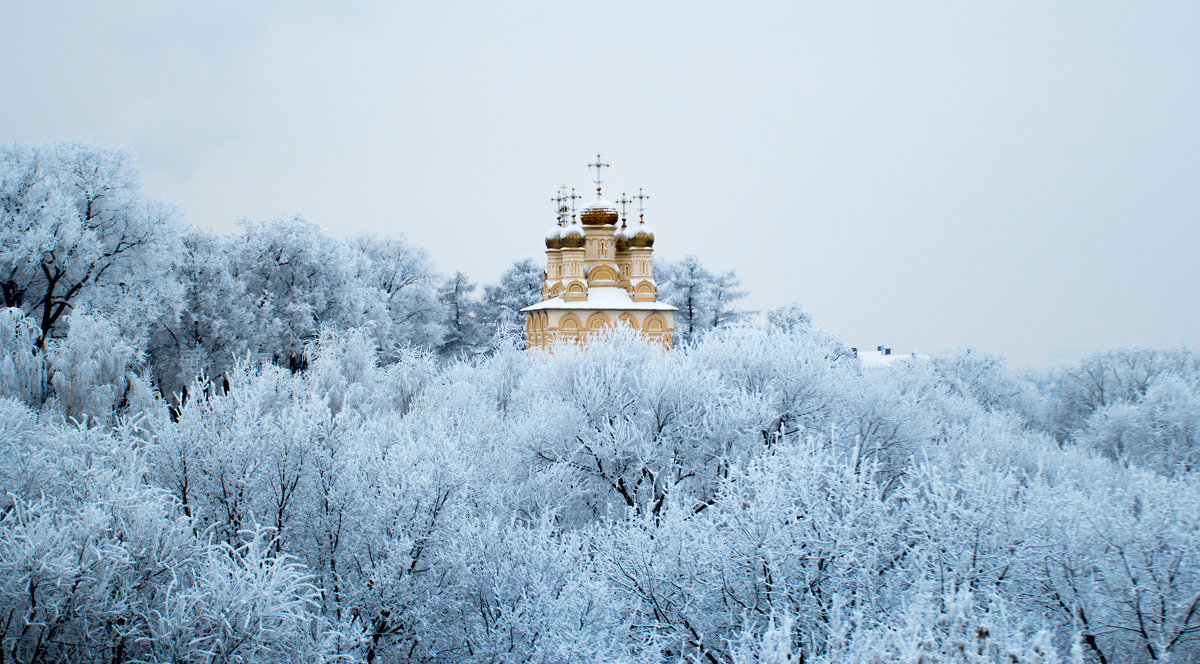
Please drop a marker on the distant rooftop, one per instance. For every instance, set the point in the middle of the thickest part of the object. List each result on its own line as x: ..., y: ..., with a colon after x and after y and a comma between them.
x: 882, y: 356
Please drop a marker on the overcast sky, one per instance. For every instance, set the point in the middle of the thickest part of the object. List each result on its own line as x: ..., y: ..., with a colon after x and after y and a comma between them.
x: 1022, y: 177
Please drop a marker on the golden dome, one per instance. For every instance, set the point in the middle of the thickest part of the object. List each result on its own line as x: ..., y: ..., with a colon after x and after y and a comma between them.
x: 622, y: 237
x: 641, y: 237
x: 599, y: 213
x: 572, y: 237
x: 554, y: 238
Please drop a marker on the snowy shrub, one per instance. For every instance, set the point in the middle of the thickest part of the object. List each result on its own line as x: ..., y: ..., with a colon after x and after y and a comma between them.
x: 80, y: 569
x: 92, y: 368
x: 22, y: 366
x: 244, y: 604
x: 957, y: 627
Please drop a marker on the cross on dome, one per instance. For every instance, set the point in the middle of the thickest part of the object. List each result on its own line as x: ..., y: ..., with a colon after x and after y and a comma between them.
x: 558, y: 206
x: 572, y: 197
x: 623, y: 202
x: 561, y: 200
x: 641, y: 197
x: 598, y: 165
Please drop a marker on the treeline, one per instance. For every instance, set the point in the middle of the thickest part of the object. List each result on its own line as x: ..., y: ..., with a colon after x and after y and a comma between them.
x: 755, y: 495
x: 99, y: 271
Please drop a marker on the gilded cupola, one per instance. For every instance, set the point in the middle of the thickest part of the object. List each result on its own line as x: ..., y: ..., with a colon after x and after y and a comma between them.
x: 640, y: 236
x: 572, y: 236
x: 598, y: 213
x: 621, y: 235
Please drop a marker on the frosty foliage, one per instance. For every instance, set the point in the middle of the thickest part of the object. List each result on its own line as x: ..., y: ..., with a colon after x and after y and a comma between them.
x: 296, y: 279
x: 704, y: 300
x: 22, y: 362
x: 93, y: 369
x: 401, y: 282
x: 74, y: 228
x: 465, y: 328
x: 354, y: 460
x: 216, y: 320
x: 520, y: 286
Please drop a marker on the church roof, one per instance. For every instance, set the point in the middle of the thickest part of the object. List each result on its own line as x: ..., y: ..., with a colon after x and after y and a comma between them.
x: 602, y: 297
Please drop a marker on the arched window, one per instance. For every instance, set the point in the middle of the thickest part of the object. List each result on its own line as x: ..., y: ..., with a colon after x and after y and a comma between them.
x: 597, y: 321
x: 569, y: 325
x: 602, y: 273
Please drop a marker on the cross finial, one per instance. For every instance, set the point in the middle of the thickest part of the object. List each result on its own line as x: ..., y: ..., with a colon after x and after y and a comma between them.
x: 572, y: 197
x: 623, y: 202
x: 561, y: 205
x: 640, y: 198
x: 558, y: 206
x: 598, y: 165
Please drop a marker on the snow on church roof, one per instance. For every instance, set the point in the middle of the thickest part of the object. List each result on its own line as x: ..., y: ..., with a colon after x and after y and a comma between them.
x: 602, y: 297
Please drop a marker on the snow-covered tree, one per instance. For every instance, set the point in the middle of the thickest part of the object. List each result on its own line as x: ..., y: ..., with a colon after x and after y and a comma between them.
x: 1103, y: 379
x: 983, y: 378
x: 298, y: 278
x: 1161, y: 431
x: 404, y: 286
x: 520, y: 286
x: 705, y: 301
x: 216, y: 322
x: 636, y: 425
x: 465, y: 332
x: 75, y: 229
x: 94, y: 370
x: 687, y: 285
x: 726, y: 291
x: 790, y: 318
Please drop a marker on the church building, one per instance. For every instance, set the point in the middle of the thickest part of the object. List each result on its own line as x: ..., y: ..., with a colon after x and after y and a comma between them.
x: 598, y: 274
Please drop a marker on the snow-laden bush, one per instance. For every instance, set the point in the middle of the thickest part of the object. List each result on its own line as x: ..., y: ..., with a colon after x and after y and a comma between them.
x: 22, y: 364
x: 92, y: 368
x: 957, y: 627
x: 98, y: 565
x: 242, y: 604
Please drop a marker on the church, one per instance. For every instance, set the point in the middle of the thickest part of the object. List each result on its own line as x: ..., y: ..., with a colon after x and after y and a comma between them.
x: 598, y: 274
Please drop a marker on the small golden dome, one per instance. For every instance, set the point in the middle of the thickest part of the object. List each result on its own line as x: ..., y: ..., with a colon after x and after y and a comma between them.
x: 572, y: 237
x: 641, y: 237
x: 622, y: 237
x: 599, y: 213
x: 554, y: 238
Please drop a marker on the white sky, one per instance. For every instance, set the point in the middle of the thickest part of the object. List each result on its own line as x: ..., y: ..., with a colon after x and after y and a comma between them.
x: 1018, y: 176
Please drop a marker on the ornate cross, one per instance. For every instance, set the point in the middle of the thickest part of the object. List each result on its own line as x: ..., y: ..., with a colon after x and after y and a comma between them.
x: 572, y: 197
x: 641, y: 208
x: 598, y: 165
x: 558, y: 212
x: 623, y: 202
x: 561, y: 210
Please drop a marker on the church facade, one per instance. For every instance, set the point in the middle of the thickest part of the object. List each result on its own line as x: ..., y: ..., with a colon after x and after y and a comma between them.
x: 598, y: 274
